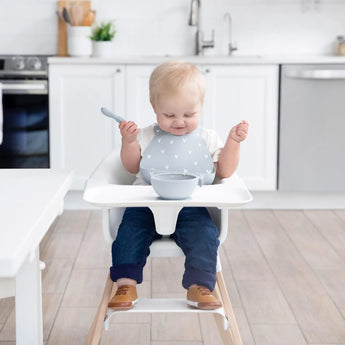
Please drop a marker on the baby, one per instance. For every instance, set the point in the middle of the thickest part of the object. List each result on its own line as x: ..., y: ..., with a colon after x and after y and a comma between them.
x: 177, y: 91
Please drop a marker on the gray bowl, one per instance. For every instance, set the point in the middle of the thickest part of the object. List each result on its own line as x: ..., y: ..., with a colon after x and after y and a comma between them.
x: 146, y: 174
x: 174, y: 186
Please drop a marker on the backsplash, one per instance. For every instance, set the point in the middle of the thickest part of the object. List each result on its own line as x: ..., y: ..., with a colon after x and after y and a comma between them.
x: 156, y: 27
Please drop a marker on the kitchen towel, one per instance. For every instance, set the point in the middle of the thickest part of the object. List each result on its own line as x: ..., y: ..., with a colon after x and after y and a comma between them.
x: 1, y: 113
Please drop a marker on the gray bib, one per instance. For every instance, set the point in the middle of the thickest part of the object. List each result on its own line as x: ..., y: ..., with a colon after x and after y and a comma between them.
x: 186, y: 154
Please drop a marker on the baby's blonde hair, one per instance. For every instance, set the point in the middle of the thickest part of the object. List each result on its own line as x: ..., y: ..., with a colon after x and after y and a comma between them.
x: 167, y: 77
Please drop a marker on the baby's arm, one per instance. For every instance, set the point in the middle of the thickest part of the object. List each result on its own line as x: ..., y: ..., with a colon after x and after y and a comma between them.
x: 230, y: 154
x: 130, y: 148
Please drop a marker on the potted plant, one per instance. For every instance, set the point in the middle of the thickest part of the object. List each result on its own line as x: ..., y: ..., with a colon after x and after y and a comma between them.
x: 102, y: 35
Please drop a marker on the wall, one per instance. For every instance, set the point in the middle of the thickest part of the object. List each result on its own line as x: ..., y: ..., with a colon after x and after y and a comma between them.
x: 151, y: 27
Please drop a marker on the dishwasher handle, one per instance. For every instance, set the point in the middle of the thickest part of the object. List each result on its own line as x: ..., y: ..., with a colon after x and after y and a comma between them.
x: 316, y: 74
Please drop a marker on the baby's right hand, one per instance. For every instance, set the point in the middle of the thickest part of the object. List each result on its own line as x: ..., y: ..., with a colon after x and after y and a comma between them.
x: 129, y: 131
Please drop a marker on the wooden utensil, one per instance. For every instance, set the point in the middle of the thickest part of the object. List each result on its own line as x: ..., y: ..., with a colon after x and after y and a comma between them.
x: 59, y: 13
x: 77, y: 14
x: 65, y: 16
x: 89, y: 18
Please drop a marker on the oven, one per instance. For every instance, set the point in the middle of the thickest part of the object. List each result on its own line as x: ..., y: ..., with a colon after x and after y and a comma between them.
x: 25, y: 110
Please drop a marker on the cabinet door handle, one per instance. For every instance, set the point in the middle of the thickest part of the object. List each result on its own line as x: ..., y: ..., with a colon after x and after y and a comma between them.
x: 207, y: 70
x: 118, y: 70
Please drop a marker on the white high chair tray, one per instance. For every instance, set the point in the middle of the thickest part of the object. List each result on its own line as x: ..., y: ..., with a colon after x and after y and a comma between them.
x: 228, y: 193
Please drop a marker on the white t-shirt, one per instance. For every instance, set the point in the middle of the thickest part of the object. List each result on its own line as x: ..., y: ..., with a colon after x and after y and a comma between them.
x: 213, y: 143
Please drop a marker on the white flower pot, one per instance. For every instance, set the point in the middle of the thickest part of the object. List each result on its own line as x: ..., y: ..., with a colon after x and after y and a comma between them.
x: 78, y: 41
x: 102, y: 49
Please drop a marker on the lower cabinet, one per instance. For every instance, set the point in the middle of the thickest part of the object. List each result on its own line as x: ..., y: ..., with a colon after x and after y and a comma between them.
x: 234, y: 93
x: 246, y: 92
x: 81, y: 136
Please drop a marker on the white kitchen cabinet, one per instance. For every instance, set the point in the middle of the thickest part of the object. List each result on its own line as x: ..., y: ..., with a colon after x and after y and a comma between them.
x: 246, y: 92
x: 234, y: 93
x: 138, y: 106
x: 79, y: 135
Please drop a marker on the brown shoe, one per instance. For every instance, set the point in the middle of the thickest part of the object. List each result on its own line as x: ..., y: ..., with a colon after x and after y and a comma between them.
x: 202, y: 298
x: 125, y: 298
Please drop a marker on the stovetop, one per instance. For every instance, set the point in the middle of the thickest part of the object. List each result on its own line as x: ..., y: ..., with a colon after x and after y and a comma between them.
x: 23, y: 65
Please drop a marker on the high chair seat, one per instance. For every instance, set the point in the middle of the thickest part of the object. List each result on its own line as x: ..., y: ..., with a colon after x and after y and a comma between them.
x: 110, y: 188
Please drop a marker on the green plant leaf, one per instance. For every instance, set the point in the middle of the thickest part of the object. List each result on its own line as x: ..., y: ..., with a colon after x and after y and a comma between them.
x: 105, y: 31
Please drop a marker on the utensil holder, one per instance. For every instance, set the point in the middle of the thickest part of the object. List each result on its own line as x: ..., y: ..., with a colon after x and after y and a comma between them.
x: 78, y: 41
x: 102, y: 49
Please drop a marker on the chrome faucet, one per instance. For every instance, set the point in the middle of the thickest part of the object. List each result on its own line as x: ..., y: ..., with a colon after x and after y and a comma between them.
x: 196, y: 20
x: 231, y: 46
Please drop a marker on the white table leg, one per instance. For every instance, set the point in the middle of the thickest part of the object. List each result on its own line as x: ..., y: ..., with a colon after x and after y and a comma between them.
x: 29, y: 326
x: 165, y: 218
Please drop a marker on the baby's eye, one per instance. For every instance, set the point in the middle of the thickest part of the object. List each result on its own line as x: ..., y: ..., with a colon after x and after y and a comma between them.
x: 169, y: 115
x: 188, y: 115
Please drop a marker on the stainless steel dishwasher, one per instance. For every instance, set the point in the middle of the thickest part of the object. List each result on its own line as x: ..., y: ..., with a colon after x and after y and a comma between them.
x: 312, y: 128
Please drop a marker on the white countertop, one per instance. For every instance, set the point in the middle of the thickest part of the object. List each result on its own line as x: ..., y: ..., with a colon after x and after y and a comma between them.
x: 221, y: 60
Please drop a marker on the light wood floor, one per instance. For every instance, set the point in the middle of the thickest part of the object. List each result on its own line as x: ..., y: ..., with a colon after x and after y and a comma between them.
x: 285, y: 271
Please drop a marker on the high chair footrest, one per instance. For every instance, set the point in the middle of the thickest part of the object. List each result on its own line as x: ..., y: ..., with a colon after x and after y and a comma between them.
x: 162, y: 305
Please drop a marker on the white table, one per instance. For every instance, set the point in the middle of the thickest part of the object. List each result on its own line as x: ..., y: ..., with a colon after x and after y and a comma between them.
x: 30, y: 200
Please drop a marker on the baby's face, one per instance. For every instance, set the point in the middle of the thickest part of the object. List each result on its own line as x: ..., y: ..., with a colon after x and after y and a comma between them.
x: 179, y: 113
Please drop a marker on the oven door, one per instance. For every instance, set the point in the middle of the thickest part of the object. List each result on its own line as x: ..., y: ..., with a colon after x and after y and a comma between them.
x: 25, y: 124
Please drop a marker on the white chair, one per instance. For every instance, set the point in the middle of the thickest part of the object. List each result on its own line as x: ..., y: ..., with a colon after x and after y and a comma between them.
x: 110, y: 187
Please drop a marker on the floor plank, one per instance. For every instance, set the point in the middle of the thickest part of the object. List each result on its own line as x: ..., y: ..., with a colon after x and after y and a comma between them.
x: 278, y: 335
x: 56, y: 275
x: 315, y: 312
x: 331, y: 225
x: 310, y: 242
x: 176, y: 343
x: 71, y: 326
x: 6, y: 306
x: 127, y: 334
x: 265, y: 303
x: 245, y: 255
x: 181, y: 327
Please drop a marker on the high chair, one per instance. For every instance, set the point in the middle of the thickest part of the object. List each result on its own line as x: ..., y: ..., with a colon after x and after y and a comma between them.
x: 110, y: 187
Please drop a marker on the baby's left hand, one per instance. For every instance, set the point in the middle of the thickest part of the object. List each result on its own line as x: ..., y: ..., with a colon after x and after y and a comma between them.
x: 239, y: 132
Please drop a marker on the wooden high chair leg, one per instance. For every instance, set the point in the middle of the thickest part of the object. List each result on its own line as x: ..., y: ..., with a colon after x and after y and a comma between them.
x: 231, y: 336
x: 226, y: 335
x: 96, y: 329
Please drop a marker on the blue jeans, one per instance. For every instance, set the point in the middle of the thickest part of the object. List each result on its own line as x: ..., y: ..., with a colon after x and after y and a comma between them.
x: 195, y: 234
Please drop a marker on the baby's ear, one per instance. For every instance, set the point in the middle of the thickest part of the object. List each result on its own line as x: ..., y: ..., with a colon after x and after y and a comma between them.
x: 153, y: 105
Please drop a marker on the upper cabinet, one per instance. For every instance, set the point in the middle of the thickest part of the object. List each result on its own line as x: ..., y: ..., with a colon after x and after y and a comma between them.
x: 81, y: 136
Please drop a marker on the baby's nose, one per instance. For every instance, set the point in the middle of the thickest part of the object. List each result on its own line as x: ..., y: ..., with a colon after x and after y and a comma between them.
x: 179, y: 122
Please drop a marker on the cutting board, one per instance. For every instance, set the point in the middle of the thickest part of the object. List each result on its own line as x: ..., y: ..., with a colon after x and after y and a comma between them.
x: 62, y: 26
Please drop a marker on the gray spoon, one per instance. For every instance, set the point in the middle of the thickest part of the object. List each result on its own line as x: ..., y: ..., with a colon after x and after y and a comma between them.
x: 109, y: 113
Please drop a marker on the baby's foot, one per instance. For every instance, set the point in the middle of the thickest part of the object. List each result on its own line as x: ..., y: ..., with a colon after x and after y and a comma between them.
x: 125, y: 298
x: 202, y: 298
